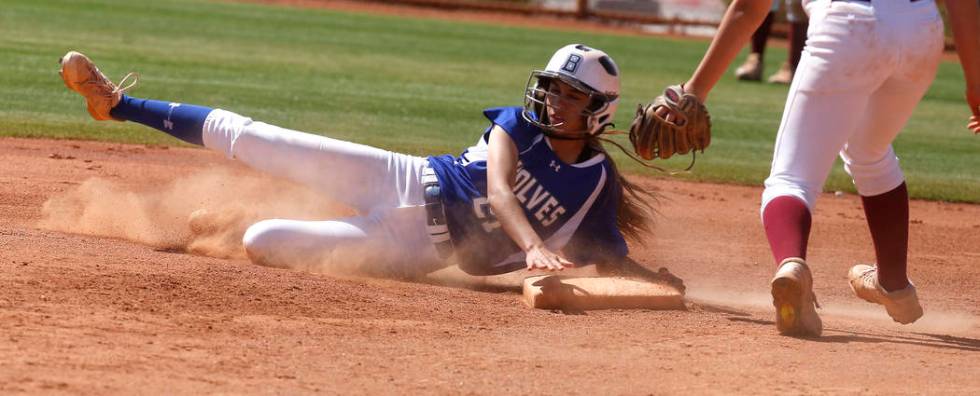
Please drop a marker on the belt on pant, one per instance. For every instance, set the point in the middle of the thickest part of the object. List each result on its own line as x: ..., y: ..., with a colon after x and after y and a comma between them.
x: 435, y: 214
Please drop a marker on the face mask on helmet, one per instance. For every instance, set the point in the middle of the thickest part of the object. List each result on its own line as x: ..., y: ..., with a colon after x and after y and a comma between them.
x: 591, y: 73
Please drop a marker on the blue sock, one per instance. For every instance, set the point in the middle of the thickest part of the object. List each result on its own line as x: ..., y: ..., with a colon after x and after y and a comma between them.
x: 182, y: 121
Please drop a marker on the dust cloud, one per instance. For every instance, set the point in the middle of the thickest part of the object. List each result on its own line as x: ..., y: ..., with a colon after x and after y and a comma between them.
x: 933, y: 321
x: 205, y: 213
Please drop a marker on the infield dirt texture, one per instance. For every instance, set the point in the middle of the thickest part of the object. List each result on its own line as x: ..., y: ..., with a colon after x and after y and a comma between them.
x: 99, y: 295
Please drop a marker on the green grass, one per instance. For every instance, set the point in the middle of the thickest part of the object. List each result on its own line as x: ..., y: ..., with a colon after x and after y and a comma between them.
x: 405, y: 84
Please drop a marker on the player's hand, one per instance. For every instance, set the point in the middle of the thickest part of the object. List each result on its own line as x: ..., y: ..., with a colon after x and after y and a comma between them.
x: 671, y: 115
x: 540, y: 258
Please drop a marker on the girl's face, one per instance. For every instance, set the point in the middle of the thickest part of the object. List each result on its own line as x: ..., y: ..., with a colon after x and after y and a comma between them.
x: 565, y: 106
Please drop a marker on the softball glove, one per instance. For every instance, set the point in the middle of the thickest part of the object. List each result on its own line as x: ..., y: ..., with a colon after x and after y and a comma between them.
x: 654, y: 137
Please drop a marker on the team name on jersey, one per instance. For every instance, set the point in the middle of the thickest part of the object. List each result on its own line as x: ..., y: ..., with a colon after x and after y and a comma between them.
x: 536, y: 199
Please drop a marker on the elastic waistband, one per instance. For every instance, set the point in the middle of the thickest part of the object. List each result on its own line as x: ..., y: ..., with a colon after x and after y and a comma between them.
x: 435, y: 214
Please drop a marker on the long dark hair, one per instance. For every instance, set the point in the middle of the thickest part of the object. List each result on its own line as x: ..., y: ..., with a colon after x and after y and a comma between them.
x: 635, y: 210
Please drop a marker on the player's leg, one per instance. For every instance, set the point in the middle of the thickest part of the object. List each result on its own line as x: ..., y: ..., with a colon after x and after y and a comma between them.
x: 870, y: 160
x: 391, y: 243
x: 797, y: 39
x: 815, y: 126
x: 751, y: 69
x: 391, y: 238
x: 361, y: 176
x: 823, y: 108
x: 179, y: 120
x: 799, y: 23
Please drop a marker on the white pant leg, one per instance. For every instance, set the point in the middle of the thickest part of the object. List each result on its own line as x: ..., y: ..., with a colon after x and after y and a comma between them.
x: 361, y: 176
x: 389, y: 238
x: 826, y: 102
x: 391, y: 242
x: 868, y: 155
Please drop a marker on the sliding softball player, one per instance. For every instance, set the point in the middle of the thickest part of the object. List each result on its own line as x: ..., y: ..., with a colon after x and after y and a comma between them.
x: 537, y: 191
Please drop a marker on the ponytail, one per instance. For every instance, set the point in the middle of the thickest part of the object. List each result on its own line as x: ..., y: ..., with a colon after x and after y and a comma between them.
x: 635, y: 210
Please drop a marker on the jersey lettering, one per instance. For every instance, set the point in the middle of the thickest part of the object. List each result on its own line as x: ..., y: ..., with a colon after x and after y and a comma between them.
x: 523, y: 177
x: 548, y: 206
x: 541, y: 202
x: 554, y: 216
x: 539, y: 195
x: 522, y: 192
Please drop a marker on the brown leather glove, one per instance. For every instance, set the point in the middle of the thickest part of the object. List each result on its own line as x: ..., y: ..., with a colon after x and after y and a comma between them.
x: 654, y: 137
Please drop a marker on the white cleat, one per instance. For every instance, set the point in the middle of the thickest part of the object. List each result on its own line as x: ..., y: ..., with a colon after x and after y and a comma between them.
x: 81, y: 75
x: 792, y: 295
x: 902, y: 305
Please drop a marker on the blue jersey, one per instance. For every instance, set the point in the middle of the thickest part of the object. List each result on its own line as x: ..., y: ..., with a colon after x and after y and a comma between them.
x: 572, y: 207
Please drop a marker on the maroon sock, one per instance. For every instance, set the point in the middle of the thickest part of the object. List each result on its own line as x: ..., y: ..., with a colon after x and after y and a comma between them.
x: 761, y: 35
x: 797, y: 39
x: 888, y: 219
x: 787, y: 222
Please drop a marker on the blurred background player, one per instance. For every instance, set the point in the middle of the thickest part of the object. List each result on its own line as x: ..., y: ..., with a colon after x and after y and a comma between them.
x: 754, y: 64
x: 537, y: 191
x: 849, y: 101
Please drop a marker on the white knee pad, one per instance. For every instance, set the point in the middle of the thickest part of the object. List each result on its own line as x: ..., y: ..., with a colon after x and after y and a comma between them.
x: 874, y: 177
x: 320, y: 246
x: 221, y: 129
x: 274, y: 243
x: 260, y: 241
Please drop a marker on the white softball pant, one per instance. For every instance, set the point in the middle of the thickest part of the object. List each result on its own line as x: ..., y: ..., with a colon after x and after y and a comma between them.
x: 865, y: 67
x: 389, y: 237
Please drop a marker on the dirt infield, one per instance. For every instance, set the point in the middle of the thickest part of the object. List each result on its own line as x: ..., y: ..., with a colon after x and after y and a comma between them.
x: 81, y: 313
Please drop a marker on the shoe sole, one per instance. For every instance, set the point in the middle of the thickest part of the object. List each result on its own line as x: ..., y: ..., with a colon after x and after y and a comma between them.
x: 905, y: 319
x: 787, y: 299
x: 61, y: 72
x: 73, y: 87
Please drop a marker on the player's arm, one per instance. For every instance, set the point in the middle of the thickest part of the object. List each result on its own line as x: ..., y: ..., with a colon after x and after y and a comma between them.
x: 964, y: 18
x: 501, y: 176
x: 741, y: 19
x: 628, y: 267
